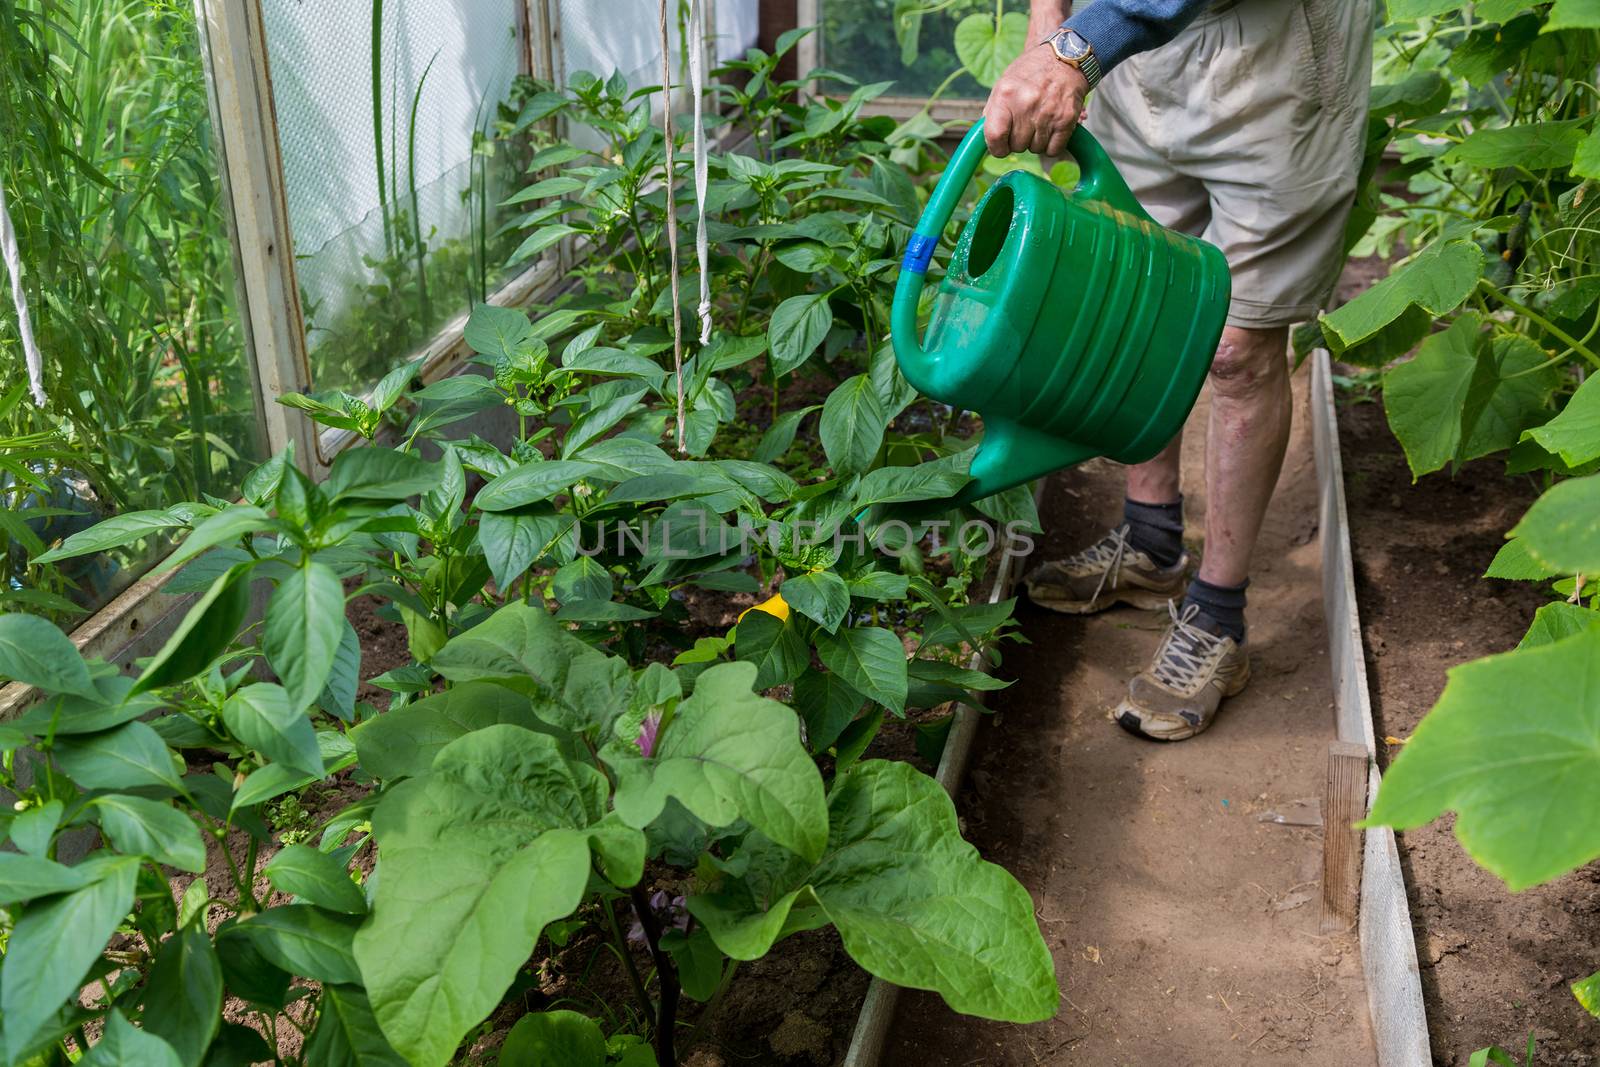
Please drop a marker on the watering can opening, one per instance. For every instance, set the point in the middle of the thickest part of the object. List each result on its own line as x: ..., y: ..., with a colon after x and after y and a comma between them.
x: 990, y: 230
x: 1069, y: 320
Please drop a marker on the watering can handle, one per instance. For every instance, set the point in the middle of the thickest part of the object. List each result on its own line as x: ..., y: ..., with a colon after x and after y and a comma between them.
x: 1098, y: 180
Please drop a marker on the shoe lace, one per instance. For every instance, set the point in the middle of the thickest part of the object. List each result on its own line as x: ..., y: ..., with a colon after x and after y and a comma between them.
x: 1106, y: 556
x: 1187, y: 650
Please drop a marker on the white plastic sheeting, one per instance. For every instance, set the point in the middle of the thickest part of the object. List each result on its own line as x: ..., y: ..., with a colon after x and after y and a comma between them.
x: 321, y: 57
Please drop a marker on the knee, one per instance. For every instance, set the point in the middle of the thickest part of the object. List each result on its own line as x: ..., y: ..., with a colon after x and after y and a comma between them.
x: 1249, y: 363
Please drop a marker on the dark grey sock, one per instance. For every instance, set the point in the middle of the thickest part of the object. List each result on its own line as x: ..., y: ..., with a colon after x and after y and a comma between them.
x: 1155, y: 529
x: 1221, y: 607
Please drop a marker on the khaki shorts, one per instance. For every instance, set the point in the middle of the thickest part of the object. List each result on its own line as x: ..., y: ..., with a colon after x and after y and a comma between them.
x: 1248, y: 130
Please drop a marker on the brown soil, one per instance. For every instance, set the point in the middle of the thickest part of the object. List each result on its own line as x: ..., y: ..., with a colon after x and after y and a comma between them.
x: 1184, y: 928
x: 1495, y: 966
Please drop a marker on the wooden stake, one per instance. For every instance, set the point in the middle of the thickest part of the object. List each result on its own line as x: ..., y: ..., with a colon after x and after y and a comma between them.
x: 1344, y: 802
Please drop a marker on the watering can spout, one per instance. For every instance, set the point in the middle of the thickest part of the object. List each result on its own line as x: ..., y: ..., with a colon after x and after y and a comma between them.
x: 1013, y: 454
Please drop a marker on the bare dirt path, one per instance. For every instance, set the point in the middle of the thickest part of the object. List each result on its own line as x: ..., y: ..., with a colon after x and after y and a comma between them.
x: 1184, y: 927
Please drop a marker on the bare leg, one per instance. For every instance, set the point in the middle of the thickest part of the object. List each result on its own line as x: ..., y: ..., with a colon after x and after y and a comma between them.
x: 1245, y: 443
x: 1155, y: 481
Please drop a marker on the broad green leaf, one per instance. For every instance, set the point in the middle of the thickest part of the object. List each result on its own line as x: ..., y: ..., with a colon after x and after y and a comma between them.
x: 225, y: 527
x: 1513, y: 563
x: 1420, y: 94
x: 1510, y: 389
x: 871, y: 659
x: 776, y: 647
x: 376, y: 473
x: 315, y: 877
x: 780, y: 435
x: 955, y: 625
x: 347, y: 1033
x: 1424, y: 396
x: 264, y: 718
x: 1573, y: 15
x: 515, y: 540
x: 582, y: 579
x: 304, y: 940
x: 727, y: 754
x: 827, y: 704
x: 24, y: 877
x: 937, y: 918
x: 1562, y: 529
x: 183, y: 998
x: 1529, y: 145
x: 122, y: 1044
x: 523, y: 648
x: 500, y: 332
x: 601, y: 611
x: 136, y: 826
x: 403, y: 743
x: 1588, y: 993
x: 33, y: 829
x: 119, y: 531
x: 338, y: 696
x: 132, y: 756
x: 797, y: 329
x: 305, y: 623
x: 928, y: 481
x: 853, y: 422
x: 52, y: 946
x: 617, y: 362
x: 454, y: 920
x: 1436, y: 282
x: 546, y: 1038
x: 821, y: 596
x: 533, y: 482
x: 541, y: 239
x: 67, y: 714
x: 879, y: 585
x: 987, y: 49
x: 1513, y: 747
x: 36, y: 653
x: 207, y: 629
x: 246, y: 973
x: 601, y: 416
x: 1557, y: 622
x: 1574, y: 434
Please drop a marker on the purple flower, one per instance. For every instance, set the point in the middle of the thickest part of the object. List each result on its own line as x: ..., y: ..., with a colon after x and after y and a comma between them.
x: 669, y: 912
x: 647, y: 733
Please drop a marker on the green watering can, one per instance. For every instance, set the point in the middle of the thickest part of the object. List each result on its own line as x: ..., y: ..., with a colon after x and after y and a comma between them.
x: 1073, y: 323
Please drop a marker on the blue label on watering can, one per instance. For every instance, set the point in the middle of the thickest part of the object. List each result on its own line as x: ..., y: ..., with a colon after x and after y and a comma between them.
x: 919, y: 253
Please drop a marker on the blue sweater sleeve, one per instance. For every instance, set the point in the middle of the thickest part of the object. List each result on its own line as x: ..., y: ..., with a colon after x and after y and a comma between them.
x: 1117, y: 29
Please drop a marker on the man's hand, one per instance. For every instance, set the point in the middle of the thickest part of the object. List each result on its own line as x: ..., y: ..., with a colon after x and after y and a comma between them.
x: 1035, y: 105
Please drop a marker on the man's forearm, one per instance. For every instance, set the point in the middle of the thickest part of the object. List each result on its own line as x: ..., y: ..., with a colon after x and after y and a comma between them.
x: 1045, y: 17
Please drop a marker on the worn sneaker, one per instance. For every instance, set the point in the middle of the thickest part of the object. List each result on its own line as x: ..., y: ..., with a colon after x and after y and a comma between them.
x: 1108, y: 571
x: 1193, y: 670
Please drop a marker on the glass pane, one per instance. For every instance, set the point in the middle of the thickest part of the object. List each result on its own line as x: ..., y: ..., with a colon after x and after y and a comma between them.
x: 386, y: 116
x: 112, y: 183
x: 859, y: 38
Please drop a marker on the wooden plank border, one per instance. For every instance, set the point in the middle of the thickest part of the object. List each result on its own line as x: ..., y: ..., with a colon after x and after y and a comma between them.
x: 1388, y: 943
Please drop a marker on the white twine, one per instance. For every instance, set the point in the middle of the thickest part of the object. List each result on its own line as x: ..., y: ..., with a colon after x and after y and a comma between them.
x: 13, y: 258
x: 697, y: 85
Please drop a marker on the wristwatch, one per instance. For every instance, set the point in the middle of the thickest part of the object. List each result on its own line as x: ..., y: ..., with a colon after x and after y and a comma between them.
x: 1070, y: 47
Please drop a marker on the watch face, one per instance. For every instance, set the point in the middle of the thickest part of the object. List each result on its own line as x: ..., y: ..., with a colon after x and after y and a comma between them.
x: 1069, y: 45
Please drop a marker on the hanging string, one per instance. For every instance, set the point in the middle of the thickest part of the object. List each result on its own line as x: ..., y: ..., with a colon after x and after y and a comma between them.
x: 13, y: 258
x: 697, y: 86
x: 672, y: 219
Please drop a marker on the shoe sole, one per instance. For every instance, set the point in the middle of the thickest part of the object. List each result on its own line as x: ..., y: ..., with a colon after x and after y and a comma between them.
x: 1127, y: 717
x: 1143, y: 599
